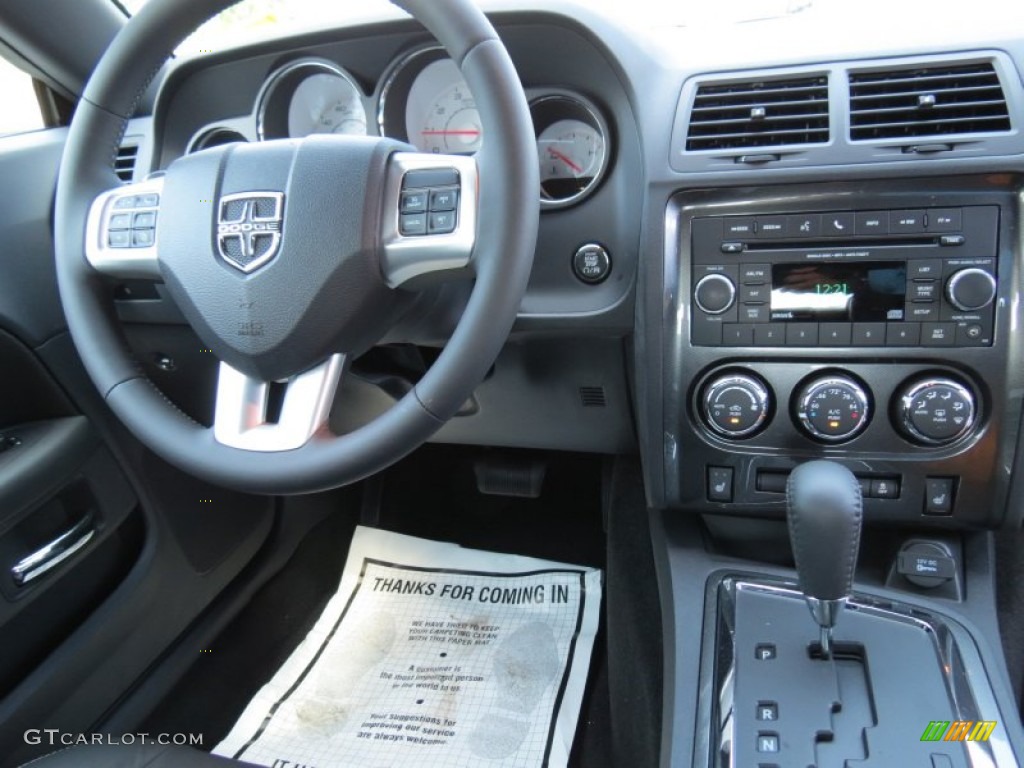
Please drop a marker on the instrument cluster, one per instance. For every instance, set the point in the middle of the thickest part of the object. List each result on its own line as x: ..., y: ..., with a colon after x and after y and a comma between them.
x: 423, y: 99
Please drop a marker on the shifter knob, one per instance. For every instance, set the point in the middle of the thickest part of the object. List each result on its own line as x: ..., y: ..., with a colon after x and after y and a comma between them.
x: 824, y: 511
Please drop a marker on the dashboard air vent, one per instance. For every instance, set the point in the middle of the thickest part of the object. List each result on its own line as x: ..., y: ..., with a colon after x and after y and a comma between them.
x: 124, y: 163
x: 927, y: 101
x: 762, y: 113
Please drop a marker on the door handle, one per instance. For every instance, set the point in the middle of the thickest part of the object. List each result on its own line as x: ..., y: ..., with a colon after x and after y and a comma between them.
x: 57, y: 551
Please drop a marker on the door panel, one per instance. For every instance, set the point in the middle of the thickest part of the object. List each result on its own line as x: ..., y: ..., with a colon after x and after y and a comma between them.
x: 139, y: 550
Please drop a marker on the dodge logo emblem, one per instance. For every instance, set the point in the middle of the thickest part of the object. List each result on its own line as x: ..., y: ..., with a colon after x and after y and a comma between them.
x: 249, y: 228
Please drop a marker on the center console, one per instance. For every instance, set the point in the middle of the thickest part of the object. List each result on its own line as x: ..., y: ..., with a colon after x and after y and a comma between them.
x: 872, y: 328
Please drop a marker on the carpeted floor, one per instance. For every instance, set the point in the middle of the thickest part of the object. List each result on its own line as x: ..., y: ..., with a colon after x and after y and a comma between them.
x: 431, y: 494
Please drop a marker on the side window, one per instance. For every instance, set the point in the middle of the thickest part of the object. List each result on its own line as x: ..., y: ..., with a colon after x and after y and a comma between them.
x: 19, y: 107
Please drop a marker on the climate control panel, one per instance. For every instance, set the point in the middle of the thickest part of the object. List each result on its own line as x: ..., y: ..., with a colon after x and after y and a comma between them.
x: 903, y: 432
x: 833, y: 409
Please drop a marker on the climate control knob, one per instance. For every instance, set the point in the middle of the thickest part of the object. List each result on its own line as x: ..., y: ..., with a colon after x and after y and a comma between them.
x: 935, y: 411
x: 971, y: 289
x: 736, y: 405
x: 714, y: 294
x: 832, y: 409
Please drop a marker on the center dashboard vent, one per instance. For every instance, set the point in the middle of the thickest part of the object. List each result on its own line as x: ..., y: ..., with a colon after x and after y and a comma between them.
x: 761, y: 113
x: 919, y: 102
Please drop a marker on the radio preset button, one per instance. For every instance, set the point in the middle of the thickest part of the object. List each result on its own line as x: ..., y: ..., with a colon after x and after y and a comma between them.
x: 802, y: 335
x: 835, y: 334
x: 903, y: 335
x: 832, y: 409
x: 714, y: 294
x: 737, y: 335
x: 869, y: 334
x: 771, y: 335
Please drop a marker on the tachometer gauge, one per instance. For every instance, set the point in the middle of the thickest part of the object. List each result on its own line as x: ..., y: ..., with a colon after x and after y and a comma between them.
x: 310, y: 96
x: 572, y: 148
x: 326, y: 104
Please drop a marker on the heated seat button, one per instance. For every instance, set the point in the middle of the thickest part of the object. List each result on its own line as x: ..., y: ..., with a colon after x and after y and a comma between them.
x: 938, y: 496
x: 720, y: 484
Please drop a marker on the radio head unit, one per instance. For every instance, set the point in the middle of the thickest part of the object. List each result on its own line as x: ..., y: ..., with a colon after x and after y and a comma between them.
x: 847, y: 278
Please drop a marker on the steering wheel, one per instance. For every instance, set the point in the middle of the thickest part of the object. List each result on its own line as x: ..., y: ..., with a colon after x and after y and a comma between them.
x: 290, y: 257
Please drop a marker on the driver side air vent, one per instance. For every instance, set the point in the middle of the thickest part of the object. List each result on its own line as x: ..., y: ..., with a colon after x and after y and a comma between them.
x: 124, y: 163
x: 761, y: 113
x: 927, y: 101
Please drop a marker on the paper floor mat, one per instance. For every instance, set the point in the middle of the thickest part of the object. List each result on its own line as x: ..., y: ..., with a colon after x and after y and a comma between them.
x: 434, y: 656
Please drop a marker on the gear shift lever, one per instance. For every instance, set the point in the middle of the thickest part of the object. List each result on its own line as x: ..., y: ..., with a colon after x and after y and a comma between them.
x: 824, y: 510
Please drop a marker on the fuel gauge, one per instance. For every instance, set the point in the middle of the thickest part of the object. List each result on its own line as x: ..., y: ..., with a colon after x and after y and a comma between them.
x: 572, y: 148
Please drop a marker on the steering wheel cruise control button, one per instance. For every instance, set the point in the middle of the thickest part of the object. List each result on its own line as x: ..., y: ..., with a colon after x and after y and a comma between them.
x: 432, y: 207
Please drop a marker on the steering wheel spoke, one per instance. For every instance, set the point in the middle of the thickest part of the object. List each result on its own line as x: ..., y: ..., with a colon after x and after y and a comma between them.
x: 267, y: 417
x: 430, y: 215
x: 121, y: 231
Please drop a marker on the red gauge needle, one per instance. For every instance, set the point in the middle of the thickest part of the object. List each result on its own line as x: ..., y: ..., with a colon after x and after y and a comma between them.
x: 451, y: 133
x: 559, y: 156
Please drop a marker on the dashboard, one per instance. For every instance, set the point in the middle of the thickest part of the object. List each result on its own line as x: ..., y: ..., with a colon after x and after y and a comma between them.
x: 759, y: 243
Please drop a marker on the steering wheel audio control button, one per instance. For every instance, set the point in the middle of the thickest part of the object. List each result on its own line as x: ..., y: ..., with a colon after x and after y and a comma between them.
x: 592, y: 263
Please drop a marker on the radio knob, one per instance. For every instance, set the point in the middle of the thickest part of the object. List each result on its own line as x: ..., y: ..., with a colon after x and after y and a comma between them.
x: 736, y: 405
x: 714, y: 294
x: 971, y: 289
x: 935, y: 411
x: 832, y: 409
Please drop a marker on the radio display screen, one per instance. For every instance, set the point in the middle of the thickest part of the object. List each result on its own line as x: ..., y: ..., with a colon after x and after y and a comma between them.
x: 865, y: 291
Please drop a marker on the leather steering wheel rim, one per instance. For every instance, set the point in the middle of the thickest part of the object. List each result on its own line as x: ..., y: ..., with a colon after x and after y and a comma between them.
x: 507, y: 213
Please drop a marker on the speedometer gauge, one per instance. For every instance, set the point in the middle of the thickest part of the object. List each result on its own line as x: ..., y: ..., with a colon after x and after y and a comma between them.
x: 425, y: 101
x: 572, y: 148
x: 440, y: 114
x: 310, y: 96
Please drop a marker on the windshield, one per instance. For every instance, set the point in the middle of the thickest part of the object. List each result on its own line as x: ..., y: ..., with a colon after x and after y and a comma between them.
x: 254, y: 20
